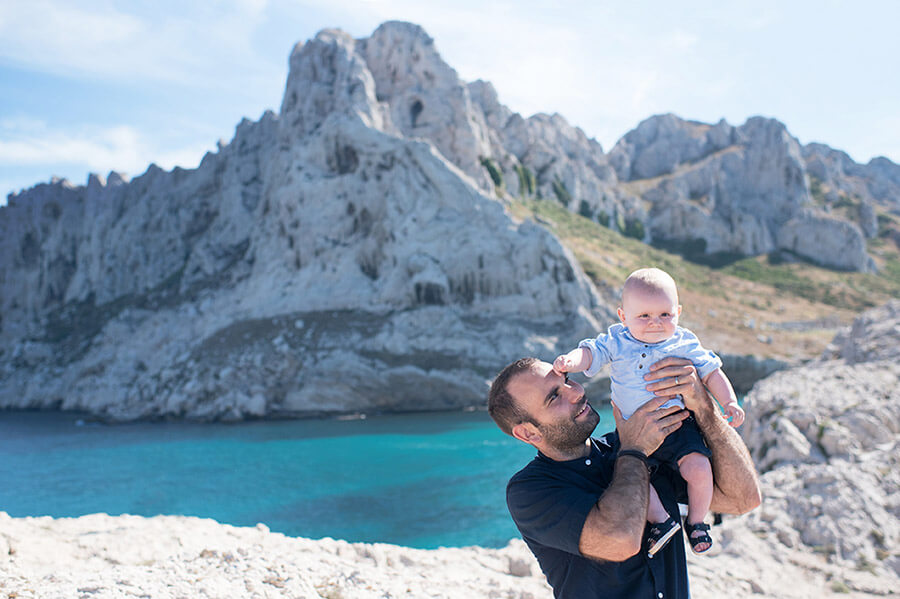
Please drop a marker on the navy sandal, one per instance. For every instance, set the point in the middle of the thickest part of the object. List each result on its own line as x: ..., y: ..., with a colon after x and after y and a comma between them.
x: 694, y: 541
x: 660, y: 534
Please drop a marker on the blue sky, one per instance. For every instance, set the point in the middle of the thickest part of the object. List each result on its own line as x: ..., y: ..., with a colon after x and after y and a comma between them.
x: 99, y: 85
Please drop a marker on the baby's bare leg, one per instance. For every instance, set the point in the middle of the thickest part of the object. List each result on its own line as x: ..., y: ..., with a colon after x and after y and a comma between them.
x: 697, y: 472
x: 656, y: 512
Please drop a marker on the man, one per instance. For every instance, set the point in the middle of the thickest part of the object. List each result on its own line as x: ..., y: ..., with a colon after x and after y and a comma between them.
x: 581, y: 504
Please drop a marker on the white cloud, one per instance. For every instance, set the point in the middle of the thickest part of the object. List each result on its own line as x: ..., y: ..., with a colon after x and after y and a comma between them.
x: 173, y: 43
x: 28, y: 142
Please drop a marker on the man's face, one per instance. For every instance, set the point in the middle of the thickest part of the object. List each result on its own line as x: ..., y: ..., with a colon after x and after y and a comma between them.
x: 558, y: 407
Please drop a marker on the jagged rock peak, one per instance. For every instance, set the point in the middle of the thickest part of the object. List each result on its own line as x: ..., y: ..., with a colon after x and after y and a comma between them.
x: 659, y: 144
x: 838, y: 179
x: 743, y: 190
x: 328, y: 76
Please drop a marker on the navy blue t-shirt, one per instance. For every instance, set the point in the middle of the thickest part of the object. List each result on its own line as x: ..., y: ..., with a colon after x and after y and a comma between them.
x: 550, y: 501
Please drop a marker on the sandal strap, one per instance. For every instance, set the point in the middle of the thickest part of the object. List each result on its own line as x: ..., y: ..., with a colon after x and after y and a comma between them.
x: 658, y: 528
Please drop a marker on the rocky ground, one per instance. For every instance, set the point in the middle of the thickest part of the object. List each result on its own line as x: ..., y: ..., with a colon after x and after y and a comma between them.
x: 824, y: 436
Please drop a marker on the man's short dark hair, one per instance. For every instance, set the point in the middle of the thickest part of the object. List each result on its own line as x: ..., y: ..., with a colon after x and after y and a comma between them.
x: 501, y: 405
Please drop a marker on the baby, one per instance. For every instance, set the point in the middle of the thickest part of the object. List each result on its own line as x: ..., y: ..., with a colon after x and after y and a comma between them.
x: 649, y: 332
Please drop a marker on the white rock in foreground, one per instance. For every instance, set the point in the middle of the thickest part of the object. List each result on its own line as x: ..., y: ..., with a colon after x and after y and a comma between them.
x: 168, y: 556
x: 101, y: 556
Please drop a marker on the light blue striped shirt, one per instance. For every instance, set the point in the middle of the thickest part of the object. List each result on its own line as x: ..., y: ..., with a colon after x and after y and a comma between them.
x: 630, y: 360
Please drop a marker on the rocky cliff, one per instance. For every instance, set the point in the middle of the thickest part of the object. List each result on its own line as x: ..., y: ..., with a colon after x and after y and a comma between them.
x: 353, y: 252
x: 327, y: 259
x: 739, y: 190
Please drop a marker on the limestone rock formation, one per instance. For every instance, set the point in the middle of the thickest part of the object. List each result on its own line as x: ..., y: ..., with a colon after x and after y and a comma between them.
x: 875, y: 335
x: 825, y: 436
x: 854, y: 191
x: 740, y: 190
x: 352, y: 252
x: 326, y: 260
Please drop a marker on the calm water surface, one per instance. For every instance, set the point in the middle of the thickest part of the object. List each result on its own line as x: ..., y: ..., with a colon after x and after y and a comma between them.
x: 421, y: 480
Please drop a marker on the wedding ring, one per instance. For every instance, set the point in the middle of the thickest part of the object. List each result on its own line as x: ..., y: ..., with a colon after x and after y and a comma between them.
x: 676, y: 380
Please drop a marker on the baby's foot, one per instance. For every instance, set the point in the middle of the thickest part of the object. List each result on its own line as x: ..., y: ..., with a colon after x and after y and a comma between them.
x: 660, y: 534
x: 698, y: 536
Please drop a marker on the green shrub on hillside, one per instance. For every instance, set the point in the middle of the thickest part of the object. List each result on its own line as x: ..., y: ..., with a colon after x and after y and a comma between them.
x: 584, y: 209
x: 527, y: 183
x: 562, y: 194
x: 815, y: 191
x: 603, y: 218
x: 494, y: 171
x: 634, y: 228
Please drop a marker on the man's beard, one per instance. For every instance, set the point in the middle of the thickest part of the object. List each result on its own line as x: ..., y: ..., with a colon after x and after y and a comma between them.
x: 570, y: 434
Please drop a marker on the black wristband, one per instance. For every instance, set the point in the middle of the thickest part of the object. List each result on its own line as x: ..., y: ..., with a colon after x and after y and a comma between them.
x: 633, y: 453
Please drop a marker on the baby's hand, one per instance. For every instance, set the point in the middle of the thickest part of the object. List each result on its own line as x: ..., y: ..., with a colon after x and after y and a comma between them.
x: 563, y: 363
x: 736, y: 413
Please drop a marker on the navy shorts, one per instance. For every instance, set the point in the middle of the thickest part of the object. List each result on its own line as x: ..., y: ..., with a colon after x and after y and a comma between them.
x: 687, y: 439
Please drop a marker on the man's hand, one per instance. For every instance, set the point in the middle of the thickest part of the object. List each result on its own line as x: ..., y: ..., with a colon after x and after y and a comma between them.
x: 648, y: 427
x: 736, y: 488
x: 677, y: 376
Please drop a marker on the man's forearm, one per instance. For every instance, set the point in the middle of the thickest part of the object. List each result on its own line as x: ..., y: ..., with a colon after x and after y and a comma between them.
x: 614, y: 528
x: 736, y: 482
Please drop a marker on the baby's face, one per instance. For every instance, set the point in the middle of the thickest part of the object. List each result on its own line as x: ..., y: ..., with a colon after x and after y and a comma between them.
x: 650, y: 315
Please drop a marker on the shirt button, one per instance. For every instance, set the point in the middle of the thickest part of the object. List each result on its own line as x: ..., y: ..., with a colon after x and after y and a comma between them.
x: 643, y: 355
x: 587, y: 462
x: 660, y: 595
x: 640, y: 365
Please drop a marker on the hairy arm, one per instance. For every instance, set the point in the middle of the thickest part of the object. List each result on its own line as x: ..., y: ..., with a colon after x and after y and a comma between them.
x: 736, y: 483
x: 614, y: 527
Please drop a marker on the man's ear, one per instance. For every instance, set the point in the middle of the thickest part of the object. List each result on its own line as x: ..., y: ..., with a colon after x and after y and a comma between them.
x: 527, y: 432
x: 621, y: 314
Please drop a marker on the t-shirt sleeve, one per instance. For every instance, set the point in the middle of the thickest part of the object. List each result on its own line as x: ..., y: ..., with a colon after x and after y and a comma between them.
x: 704, y: 360
x: 550, y: 512
x: 600, y: 353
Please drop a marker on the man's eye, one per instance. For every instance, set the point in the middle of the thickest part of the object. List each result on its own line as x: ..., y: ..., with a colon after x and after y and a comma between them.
x: 566, y: 375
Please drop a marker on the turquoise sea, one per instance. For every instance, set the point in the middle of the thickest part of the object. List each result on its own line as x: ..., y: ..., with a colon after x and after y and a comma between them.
x: 421, y: 480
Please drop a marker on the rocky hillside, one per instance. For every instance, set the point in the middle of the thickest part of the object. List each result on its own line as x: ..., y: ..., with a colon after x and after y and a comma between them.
x: 362, y: 250
x: 825, y: 438
x: 741, y: 190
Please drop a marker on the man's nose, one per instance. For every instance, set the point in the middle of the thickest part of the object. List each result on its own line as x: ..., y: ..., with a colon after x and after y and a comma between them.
x: 574, y: 392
